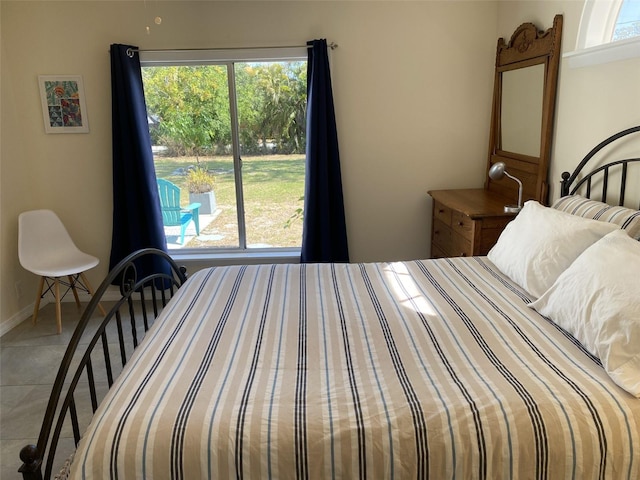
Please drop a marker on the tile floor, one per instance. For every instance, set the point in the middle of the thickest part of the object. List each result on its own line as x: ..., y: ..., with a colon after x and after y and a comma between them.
x: 29, y: 359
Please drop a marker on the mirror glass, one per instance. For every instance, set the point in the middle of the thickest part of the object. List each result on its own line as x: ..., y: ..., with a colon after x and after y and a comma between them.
x: 521, y: 119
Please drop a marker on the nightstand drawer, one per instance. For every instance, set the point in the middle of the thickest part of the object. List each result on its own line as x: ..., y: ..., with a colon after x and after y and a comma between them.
x: 436, y: 252
x: 491, y: 230
x: 441, y: 235
x: 442, y: 212
x: 462, y: 224
x: 461, y: 246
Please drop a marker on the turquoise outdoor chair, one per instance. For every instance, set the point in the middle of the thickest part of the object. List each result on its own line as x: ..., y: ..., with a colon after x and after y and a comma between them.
x: 173, y: 215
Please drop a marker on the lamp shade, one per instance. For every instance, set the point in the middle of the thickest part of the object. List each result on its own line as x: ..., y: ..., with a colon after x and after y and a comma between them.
x: 496, y: 172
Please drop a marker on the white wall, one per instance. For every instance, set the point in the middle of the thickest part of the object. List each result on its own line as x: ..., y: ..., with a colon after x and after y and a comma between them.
x: 412, y: 85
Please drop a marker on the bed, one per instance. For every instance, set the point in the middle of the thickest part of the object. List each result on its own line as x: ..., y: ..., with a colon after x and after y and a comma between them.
x: 440, y: 368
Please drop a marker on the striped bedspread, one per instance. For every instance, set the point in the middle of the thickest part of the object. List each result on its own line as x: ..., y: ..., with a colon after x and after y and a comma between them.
x: 426, y: 369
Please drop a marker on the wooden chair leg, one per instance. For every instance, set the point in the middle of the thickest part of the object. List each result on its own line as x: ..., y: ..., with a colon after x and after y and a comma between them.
x: 72, y: 282
x: 90, y: 288
x: 36, y: 308
x: 56, y: 293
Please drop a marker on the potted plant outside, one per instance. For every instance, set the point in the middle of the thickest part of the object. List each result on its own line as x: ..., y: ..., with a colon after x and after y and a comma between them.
x: 200, y: 185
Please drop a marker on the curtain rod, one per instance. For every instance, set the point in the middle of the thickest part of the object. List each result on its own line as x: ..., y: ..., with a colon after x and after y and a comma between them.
x: 131, y: 51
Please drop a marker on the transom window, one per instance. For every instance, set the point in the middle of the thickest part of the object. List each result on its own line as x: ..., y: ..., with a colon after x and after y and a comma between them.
x: 605, y: 21
x: 628, y: 21
x: 228, y: 129
x: 609, y: 31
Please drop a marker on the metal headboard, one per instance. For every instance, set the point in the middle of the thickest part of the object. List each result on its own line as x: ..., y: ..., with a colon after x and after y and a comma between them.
x: 571, y: 185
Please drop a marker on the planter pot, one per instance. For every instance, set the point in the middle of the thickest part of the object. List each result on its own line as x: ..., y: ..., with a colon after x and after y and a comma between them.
x: 206, y: 200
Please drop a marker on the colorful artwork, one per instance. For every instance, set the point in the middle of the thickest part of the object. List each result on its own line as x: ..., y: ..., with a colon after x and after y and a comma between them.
x: 63, y: 104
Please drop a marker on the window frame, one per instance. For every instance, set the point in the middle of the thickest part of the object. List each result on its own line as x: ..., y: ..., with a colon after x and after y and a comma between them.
x: 229, y: 57
x: 594, y: 45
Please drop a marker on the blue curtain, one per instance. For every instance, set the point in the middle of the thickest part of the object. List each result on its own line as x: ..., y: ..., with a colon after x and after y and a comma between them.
x: 137, y: 219
x: 324, y: 231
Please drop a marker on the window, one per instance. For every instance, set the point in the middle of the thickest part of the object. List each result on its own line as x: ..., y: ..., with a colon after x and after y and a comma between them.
x: 609, y: 31
x: 628, y: 21
x: 239, y: 117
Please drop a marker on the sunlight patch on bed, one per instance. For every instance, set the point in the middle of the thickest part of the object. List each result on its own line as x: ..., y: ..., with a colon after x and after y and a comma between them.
x: 406, y: 290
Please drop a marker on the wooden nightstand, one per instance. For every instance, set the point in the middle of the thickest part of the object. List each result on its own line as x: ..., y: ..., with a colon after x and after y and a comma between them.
x: 466, y: 222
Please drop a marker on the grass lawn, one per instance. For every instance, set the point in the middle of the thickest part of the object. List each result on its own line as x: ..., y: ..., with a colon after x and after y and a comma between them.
x: 273, y: 185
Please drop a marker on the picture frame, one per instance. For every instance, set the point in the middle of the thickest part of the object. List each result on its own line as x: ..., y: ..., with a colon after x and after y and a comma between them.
x: 63, y: 104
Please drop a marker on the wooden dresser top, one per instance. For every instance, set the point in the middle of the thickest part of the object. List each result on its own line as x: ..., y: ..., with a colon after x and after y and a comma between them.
x: 474, y: 202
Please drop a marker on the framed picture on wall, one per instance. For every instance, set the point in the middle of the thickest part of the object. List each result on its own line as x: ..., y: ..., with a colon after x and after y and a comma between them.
x: 63, y: 104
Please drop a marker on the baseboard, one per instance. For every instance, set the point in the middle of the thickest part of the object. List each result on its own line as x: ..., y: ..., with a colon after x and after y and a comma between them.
x: 111, y: 295
x: 16, y: 319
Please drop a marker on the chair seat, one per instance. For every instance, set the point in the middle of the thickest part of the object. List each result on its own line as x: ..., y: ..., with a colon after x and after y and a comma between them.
x: 63, y: 265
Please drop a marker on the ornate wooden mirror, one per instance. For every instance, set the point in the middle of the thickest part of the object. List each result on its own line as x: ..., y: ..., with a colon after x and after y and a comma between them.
x: 524, y: 98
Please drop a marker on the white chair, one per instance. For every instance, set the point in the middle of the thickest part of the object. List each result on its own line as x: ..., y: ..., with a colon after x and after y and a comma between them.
x: 46, y: 249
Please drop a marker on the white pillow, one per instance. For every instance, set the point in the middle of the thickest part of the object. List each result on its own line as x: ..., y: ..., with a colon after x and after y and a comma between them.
x: 541, y: 242
x: 597, y: 300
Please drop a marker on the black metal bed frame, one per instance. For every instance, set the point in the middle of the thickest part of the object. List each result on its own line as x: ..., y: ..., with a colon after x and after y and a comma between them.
x: 140, y: 302
x: 601, y: 173
x: 143, y: 298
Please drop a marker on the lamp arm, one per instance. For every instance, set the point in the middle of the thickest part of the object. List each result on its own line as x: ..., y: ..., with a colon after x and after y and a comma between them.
x: 519, y: 188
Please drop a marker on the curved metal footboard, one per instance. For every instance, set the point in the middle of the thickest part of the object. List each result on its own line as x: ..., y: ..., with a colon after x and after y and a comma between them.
x: 98, y: 350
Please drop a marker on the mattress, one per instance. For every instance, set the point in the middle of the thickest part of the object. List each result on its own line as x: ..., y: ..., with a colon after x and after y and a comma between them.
x: 422, y: 369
